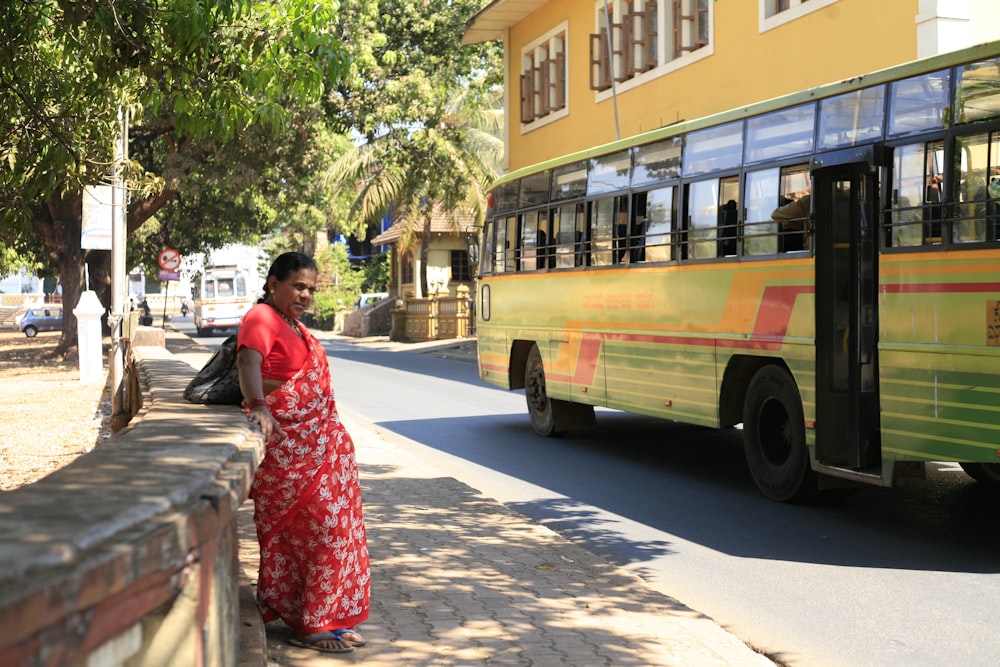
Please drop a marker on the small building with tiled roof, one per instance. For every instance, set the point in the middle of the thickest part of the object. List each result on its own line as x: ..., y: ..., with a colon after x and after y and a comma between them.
x: 448, y: 265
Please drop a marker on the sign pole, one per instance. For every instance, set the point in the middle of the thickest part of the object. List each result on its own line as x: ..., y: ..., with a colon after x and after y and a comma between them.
x: 166, y: 291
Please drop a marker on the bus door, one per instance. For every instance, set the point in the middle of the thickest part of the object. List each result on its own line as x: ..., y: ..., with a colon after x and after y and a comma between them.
x: 845, y: 237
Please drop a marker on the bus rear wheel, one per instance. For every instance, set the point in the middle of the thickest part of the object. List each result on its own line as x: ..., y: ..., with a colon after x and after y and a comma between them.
x: 985, y: 473
x: 774, y: 437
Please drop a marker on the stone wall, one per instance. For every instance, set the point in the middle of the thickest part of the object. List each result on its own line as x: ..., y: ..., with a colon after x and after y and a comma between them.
x: 129, y: 554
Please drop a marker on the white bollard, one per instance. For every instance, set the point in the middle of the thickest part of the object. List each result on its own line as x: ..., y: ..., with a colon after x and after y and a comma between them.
x: 88, y: 332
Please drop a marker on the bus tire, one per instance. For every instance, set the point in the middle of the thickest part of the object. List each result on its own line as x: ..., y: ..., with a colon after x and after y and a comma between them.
x: 774, y: 437
x: 985, y: 473
x: 549, y: 417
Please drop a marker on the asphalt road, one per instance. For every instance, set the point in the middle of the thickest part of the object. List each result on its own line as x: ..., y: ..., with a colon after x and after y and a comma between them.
x: 902, y: 576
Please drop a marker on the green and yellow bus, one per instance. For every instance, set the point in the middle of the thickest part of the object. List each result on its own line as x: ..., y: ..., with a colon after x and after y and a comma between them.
x: 854, y: 339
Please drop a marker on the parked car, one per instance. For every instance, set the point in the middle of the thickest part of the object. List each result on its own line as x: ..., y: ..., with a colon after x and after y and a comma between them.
x: 41, y: 318
x: 369, y: 299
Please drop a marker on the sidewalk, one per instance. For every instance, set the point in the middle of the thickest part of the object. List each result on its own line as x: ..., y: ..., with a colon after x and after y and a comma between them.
x: 460, y: 579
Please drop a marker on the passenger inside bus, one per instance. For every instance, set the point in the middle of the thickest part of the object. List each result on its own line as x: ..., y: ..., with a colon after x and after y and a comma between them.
x: 793, y: 215
x: 932, y: 209
x: 728, y: 218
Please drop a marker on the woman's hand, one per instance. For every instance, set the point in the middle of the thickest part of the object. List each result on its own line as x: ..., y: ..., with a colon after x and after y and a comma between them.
x: 261, y: 416
x: 254, y: 386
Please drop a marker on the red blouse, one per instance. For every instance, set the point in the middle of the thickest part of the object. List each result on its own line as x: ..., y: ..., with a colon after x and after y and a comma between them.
x: 264, y: 330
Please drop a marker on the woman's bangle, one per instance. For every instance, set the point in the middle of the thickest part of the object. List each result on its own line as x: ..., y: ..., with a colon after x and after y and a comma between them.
x: 255, y: 403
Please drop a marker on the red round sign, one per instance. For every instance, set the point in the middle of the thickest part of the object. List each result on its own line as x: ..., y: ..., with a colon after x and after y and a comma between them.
x: 170, y: 260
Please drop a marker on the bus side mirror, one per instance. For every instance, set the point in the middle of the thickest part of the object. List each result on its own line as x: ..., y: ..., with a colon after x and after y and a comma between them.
x: 473, y: 249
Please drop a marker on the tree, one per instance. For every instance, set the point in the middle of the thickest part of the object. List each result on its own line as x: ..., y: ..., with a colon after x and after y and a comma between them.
x: 194, y: 74
x: 429, y: 115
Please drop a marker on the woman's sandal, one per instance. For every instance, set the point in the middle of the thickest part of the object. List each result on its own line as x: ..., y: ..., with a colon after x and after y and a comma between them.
x: 341, y: 635
x: 315, y: 642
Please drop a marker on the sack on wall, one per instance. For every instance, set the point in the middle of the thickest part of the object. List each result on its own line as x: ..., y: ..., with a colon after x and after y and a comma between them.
x: 218, y: 382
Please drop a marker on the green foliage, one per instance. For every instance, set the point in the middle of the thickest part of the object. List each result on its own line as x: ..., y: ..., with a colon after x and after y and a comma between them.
x: 339, y: 283
x: 191, y: 79
x: 377, y: 272
x: 427, y: 108
x: 202, y: 68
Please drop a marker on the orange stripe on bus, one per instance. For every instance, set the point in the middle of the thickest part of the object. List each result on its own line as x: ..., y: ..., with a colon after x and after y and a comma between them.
x: 769, y: 331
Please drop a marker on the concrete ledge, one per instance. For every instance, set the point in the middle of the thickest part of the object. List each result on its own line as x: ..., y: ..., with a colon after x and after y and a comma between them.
x: 131, y: 550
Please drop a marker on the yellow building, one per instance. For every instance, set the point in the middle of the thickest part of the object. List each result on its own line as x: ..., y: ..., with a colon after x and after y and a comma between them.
x: 571, y: 83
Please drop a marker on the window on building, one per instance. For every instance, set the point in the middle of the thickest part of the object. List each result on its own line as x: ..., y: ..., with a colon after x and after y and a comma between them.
x: 406, y: 268
x: 543, y: 77
x: 776, y: 6
x: 778, y: 12
x: 637, y: 36
x: 690, y: 22
x: 460, y: 266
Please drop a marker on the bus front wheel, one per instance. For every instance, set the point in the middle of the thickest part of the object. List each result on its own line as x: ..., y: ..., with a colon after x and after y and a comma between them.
x: 541, y: 408
x: 550, y: 416
x: 774, y: 437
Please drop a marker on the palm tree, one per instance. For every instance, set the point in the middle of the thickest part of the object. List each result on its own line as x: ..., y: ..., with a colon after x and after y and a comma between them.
x: 442, y: 163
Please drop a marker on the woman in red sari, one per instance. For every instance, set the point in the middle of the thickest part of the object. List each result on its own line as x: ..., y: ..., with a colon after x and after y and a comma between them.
x: 314, y: 572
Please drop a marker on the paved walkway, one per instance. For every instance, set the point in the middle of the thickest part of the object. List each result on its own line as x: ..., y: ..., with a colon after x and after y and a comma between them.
x: 460, y: 579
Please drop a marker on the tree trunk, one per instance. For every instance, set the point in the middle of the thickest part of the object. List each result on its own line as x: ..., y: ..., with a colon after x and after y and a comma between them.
x: 60, y: 230
x: 60, y: 227
x: 425, y: 249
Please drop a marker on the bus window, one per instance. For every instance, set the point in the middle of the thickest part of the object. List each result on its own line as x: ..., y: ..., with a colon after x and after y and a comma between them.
x: 535, y: 189
x: 566, y: 236
x: 582, y: 241
x: 500, y: 246
x: 780, y: 134
x: 852, y: 118
x: 713, y: 148
x: 569, y: 181
x: 602, y: 232
x: 224, y: 287
x: 794, y: 209
x: 729, y: 215
x: 621, y: 231
x: 919, y: 103
x: 979, y: 189
x: 760, y: 231
x: 636, y: 240
x: 507, y: 196
x: 906, y: 211
x: 209, y: 289
x: 933, y: 190
x: 977, y: 95
x: 609, y: 173
x: 487, y: 258
x: 659, y: 213
x: 534, y: 241
x: 703, y: 221
x: 657, y: 162
x: 241, y: 285
x: 509, y: 247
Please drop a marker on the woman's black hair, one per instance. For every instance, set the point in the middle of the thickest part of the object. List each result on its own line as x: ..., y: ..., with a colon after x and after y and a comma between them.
x: 288, y: 263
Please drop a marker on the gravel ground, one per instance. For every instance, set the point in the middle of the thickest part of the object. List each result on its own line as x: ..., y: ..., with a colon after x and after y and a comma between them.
x: 48, y: 417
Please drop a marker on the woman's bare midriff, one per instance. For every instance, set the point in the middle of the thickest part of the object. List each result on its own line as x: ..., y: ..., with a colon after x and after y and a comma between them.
x: 270, y: 384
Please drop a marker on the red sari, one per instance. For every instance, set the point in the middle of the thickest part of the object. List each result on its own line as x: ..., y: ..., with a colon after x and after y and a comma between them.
x: 314, y: 572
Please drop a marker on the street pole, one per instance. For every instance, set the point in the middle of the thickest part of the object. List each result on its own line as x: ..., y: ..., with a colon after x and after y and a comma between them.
x: 119, y: 206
